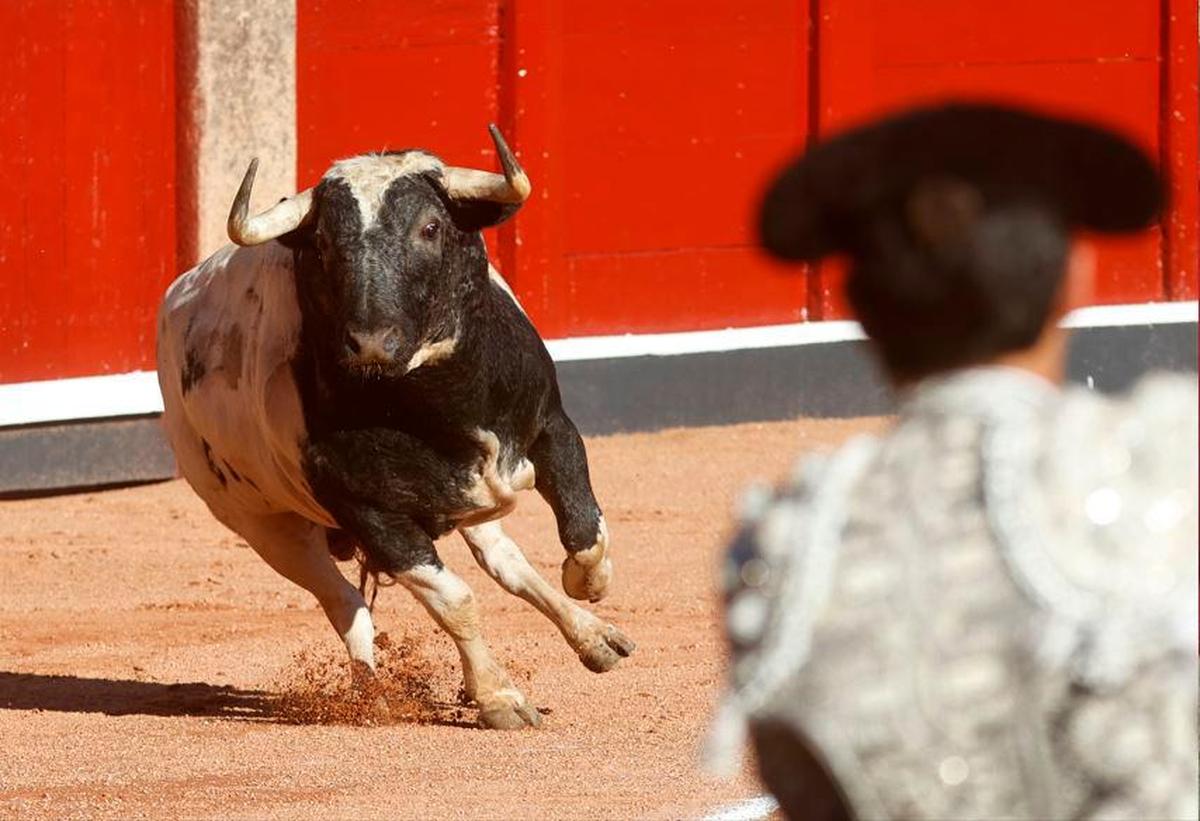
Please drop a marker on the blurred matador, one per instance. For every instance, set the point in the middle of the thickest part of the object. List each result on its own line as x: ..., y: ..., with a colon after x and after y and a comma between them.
x: 989, y: 610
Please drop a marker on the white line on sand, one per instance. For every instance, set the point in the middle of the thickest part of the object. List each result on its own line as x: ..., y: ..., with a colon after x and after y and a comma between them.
x: 752, y: 809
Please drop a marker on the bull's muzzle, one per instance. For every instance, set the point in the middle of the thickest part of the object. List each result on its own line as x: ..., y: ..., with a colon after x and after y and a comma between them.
x: 374, y: 347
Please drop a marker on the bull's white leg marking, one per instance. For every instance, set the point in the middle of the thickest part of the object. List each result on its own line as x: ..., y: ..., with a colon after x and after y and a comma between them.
x: 523, y: 477
x: 452, y: 604
x: 599, y: 645
x: 295, y: 548
x: 495, y: 495
x: 360, y: 637
x: 495, y: 489
x: 586, y: 574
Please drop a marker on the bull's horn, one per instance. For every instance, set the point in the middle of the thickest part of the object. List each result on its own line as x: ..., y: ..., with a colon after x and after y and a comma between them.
x: 287, y: 215
x: 471, y: 184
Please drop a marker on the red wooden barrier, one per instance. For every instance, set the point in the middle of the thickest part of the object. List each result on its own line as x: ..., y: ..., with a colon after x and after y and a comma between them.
x: 648, y: 131
x: 1181, y: 148
x: 87, y: 164
x: 651, y: 137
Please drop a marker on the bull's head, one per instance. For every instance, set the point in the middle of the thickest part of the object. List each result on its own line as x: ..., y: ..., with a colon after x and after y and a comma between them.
x: 388, y: 251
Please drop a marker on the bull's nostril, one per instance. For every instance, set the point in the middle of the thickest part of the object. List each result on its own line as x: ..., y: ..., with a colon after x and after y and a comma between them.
x: 373, y: 346
x: 390, y: 341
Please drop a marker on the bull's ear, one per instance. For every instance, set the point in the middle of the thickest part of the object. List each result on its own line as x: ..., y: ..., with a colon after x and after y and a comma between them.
x: 472, y: 214
x: 298, y: 238
x: 475, y: 215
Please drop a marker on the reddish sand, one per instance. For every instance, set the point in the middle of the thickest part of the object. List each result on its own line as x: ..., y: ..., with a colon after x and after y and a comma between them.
x: 149, y: 660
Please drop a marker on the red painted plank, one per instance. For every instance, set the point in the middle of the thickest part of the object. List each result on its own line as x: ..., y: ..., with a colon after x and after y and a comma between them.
x: 1181, y: 149
x: 187, y: 139
x: 650, y: 141
x: 531, y: 249
x: 935, y: 32
x: 89, y: 149
x: 31, y: 148
x: 679, y: 290
x: 880, y: 55
x: 376, y: 74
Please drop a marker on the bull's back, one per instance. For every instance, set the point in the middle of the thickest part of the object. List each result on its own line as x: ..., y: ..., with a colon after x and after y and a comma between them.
x: 228, y: 330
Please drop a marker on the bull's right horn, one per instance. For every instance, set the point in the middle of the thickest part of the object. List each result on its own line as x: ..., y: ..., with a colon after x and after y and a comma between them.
x: 287, y: 215
x: 472, y: 184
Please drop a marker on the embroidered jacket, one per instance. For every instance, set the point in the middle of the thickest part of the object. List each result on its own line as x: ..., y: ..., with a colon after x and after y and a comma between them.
x: 989, y: 611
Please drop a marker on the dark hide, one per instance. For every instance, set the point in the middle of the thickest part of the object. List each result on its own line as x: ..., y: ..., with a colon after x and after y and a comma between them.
x: 390, y: 455
x: 193, y: 370
x: 212, y: 463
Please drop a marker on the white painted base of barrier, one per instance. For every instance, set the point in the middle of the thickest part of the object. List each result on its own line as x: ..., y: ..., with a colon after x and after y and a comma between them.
x: 136, y: 394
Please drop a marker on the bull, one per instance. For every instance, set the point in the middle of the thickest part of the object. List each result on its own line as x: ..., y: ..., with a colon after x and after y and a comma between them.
x: 351, y: 376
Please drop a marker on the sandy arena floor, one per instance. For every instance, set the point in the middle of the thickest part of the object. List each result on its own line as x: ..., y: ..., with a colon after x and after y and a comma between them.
x: 143, y: 649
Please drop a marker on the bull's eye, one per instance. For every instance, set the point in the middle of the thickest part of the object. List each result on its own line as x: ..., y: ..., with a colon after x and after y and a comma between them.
x: 430, y: 229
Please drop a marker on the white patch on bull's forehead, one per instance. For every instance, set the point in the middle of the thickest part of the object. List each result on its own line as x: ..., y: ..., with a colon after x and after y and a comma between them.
x: 369, y: 176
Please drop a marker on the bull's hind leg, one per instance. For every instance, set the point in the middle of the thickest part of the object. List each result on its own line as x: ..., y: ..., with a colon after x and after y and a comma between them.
x: 599, y: 645
x: 452, y: 604
x: 297, y: 550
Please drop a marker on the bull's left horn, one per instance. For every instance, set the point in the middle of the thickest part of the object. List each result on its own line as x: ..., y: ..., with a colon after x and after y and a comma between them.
x: 286, y: 215
x: 471, y: 184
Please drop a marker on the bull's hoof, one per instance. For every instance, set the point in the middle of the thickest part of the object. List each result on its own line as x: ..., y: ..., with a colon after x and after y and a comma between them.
x: 377, y: 711
x: 608, y: 647
x: 509, y: 717
x: 368, y: 690
x: 362, y: 676
x: 586, y: 583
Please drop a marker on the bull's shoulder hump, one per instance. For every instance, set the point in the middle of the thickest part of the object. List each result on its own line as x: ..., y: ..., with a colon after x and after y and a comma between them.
x: 237, y: 312
x: 500, y: 282
x: 234, y: 282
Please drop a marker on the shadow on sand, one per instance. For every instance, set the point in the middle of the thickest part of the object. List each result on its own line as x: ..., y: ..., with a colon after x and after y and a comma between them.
x: 122, y: 697
x: 118, y: 697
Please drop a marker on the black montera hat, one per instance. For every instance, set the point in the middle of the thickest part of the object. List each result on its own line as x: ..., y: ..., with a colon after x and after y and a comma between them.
x: 906, y: 169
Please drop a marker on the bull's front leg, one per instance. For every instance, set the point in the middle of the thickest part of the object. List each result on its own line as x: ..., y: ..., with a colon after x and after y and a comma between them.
x: 599, y: 645
x: 452, y: 604
x: 560, y: 464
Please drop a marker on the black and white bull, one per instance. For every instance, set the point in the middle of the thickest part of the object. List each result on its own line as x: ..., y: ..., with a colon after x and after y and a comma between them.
x: 353, y: 374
